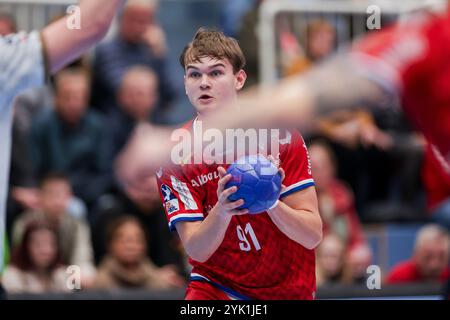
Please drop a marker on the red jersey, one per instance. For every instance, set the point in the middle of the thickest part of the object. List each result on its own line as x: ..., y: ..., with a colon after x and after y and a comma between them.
x: 343, y: 218
x: 255, y: 260
x: 407, y: 271
x: 411, y: 60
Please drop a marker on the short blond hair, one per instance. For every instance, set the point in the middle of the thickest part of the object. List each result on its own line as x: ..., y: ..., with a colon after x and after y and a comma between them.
x: 214, y: 44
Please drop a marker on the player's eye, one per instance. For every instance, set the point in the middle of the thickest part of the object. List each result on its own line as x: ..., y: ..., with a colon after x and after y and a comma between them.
x: 216, y: 73
x: 194, y: 75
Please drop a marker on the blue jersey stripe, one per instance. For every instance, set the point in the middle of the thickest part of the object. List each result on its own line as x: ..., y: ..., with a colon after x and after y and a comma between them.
x: 293, y: 190
x: 221, y: 287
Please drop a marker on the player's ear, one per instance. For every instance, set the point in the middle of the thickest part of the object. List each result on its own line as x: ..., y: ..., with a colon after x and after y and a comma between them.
x: 241, y: 77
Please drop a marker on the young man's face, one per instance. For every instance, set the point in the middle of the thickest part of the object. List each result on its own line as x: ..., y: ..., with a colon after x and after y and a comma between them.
x: 211, y: 84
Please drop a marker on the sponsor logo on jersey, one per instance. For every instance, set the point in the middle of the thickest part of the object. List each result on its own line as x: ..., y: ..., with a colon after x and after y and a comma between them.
x: 204, y: 178
x: 170, y: 201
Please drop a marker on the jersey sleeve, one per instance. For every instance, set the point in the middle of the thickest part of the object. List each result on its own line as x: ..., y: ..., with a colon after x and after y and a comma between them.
x: 295, y: 161
x: 394, y: 56
x: 22, y: 63
x: 181, y: 201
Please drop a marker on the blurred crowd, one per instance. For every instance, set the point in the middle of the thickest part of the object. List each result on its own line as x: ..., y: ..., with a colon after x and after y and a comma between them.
x: 67, y: 207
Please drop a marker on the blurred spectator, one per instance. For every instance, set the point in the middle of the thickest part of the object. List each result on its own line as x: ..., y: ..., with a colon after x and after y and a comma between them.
x: 320, y: 43
x: 127, y: 265
x: 55, y: 195
x: 27, y: 106
x: 145, y: 206
x: 436, y: 179
x: 140, y: 41
x: 336, y: 203
x: 72, y: 139
x: 330, y: 260
x: 356, y: 263
x: 7, y: 24
x: 137, y: 97
x: 430, y: 260
x: 35, y: 265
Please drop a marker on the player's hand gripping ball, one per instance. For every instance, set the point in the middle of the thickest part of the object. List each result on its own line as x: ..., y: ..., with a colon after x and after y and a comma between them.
x: 258, y: 181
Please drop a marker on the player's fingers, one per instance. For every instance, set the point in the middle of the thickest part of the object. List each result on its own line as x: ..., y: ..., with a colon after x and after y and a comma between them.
x: 222, y: 182
x: 233, y: 205
x: 222, y: 172
x: 223, y: 196
x: 239, y: 212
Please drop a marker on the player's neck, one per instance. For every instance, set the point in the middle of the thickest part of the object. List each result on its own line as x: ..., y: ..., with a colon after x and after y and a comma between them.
x: 204, y: 116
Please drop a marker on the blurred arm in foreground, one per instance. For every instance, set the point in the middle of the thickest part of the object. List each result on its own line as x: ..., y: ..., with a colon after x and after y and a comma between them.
x: 405, y: 63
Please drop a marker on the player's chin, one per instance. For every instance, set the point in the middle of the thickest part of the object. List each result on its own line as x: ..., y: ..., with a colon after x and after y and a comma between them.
x: 206, y: 108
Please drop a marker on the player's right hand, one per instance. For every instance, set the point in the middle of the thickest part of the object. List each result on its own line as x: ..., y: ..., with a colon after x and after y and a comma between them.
x: 225, y: 206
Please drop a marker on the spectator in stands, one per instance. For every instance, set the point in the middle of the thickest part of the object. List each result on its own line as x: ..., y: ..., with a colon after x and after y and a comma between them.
x: 145, y: 205
x: 356, y: 262
x: 74, y: 235
x: 35, y: 266
x: 140, y: 41
x: 320, y: 41
x: 330, y: 261
x: 437, y: 187
x: 27, y: 106
x: 430, y: 260
x: 137, y: 97
x: 72, y: 139
x: 127, y: 265
x: 336, y: 203
x: 7, y: 24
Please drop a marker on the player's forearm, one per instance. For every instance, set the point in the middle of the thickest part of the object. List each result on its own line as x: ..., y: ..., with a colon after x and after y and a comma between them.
x: 63, y: 44
x: 288, y: 104
x: 301, y: 226
x: 202, y: 242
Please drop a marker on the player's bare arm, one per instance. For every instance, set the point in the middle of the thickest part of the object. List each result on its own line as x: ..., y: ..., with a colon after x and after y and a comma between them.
x: 202, y: 238
x: 296, y: 101
x: 293, y: 102
x: 63, y: 45
x: 297, y: 216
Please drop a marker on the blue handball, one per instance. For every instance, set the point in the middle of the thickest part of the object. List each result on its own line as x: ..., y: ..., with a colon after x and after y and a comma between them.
x: 258, y: 182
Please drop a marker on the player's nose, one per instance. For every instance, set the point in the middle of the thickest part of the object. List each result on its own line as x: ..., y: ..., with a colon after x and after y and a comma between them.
x: 205, y: 83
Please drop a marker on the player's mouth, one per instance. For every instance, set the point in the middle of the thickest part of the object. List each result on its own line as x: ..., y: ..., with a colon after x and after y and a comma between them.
x: 205, y: 98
